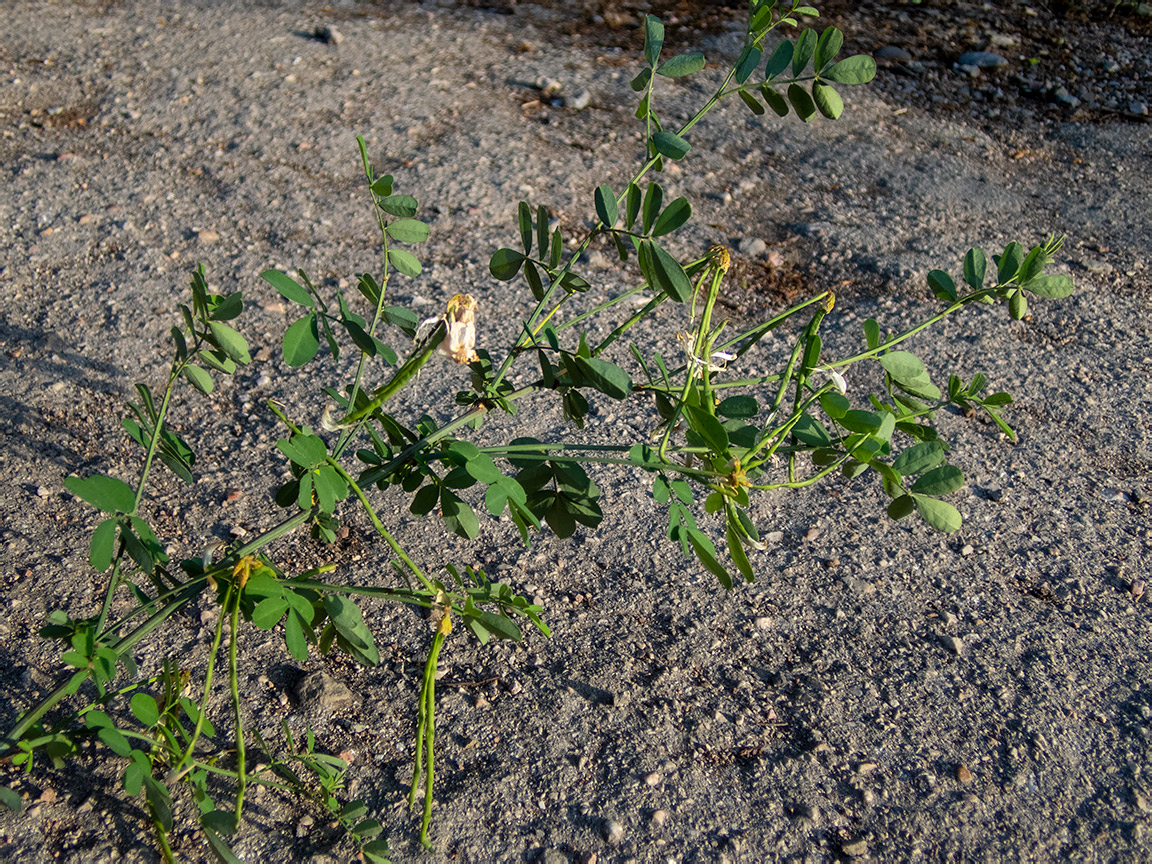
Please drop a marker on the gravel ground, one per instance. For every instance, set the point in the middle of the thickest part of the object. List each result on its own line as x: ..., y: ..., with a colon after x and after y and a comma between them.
x: 880, y: 691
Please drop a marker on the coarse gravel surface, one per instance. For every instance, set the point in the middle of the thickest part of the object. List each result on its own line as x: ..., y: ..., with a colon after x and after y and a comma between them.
x: 880, y: 692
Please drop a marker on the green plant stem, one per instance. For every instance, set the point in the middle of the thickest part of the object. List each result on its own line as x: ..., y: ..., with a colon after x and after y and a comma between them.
x: 234, y: 685
x: 780, y: 432
x: 179, y: 769
x: 426, y: 736
x: 908, y: 334
x: 346, y: 434
x: 799, y: 484
x: 162, y: 837
x: 379, y: 526
x: 150, y: 454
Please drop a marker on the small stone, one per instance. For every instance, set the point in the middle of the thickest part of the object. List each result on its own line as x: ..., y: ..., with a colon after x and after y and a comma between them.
x: 982, y: 59
x: 303, y: 825
x: 480, y: 702
x: 579, y: 101
x: 48, y: 796
x: 42, y: 492
x: 865, y: 767
x: 328, y: 35
x: 1061, y: 95
x: 654, y: 779
x: 1140, y: 109
x: 613, y: 832
x: 812, y: 534
x: 208, y: 237
x: 855, y: 849
x: 967, y: 550
x: 752, y: 247
x: 1098, y: 267
x: 893, y: 54
x: 948, y: 618
x: 554, y: 856
x: 659, y: 817
x: 549, y: 86
x: 319, y: 691
x: 762, y: 623
x: 963, y: 774
x: 1004, y: 40
x: 953, y: 643
x: 859, y: 587
x: 774, y: 536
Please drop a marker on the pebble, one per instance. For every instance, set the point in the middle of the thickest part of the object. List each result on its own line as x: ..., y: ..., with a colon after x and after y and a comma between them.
x: 554, y: 856
x: 762, y: 623
x: 963, y: 774
x: 42, y: 492
x: 303, y: 825
x: 579, y: 101
x: 654, y: 779
x: 752, y: 247
x: 859, y: 587
x: 1140, y: 109
x: 982, y: 59
x: 328, y: 35
x: 320, y: 691
x: 1061, y: 95
x: 953, y: 643
x: 208, y: 237
x: 893, y: 53
x: 1099, y: 267
x: 659, y: 817
x: 613, y: 832
x: 855, y: 849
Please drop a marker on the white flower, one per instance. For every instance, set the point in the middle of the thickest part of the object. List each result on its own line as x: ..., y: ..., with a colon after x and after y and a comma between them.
x: 717, y: 362
x: 722, y: 357
x: 837, y: 379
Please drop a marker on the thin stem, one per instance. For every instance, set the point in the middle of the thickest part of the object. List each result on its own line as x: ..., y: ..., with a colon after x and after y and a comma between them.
x: 162, y: 837
x: 179, y: 769
x: 896, y: 340
x: 379, y: 526
x: 234, y: 682
x: 799, y: 484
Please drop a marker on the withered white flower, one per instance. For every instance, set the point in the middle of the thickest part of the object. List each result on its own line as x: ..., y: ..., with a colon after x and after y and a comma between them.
x: 460, y: 342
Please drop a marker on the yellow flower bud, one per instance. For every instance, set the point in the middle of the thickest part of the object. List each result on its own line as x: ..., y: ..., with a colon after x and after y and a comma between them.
x: 719, y: 258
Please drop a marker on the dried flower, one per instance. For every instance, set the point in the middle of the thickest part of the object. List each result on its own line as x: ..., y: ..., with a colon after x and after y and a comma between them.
x: 460, y: 343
